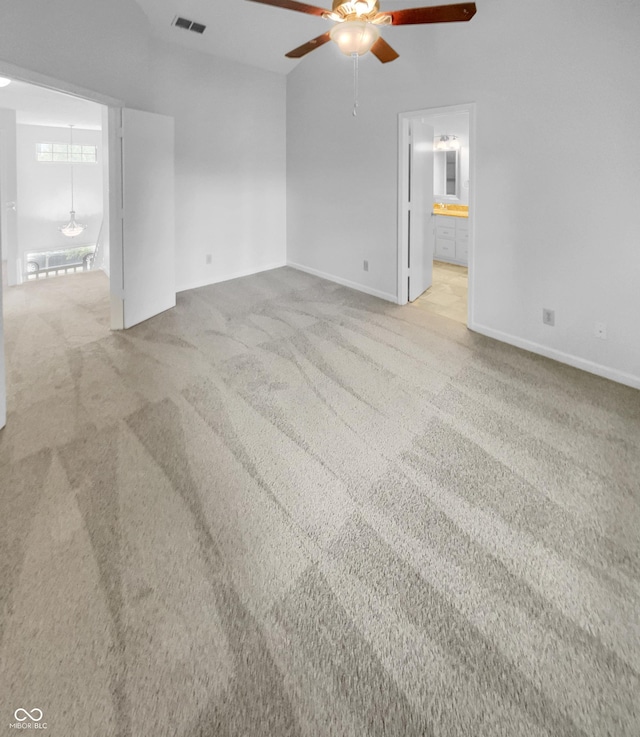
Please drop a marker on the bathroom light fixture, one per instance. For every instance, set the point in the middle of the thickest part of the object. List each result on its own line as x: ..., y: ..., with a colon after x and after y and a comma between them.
x: 72, y: 228
x: 4, y: 81
x: 446, y: 143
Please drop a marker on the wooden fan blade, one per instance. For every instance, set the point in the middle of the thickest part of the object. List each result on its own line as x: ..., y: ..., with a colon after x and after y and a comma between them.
x: 293, y: 5
x: 383, y: 51
x: 435, y: 14
x: 309, y: 46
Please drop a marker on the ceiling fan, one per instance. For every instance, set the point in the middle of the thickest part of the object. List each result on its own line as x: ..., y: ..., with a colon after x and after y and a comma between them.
x: 357, y: 22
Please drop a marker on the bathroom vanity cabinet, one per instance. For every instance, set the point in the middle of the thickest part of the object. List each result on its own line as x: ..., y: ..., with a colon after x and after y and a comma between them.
x: 452, y: 239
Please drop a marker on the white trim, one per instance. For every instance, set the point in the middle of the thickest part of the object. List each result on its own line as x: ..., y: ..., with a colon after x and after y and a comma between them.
x: 112, y: 119
x: 345, y: 282
x: 229, y: 277
x: 471, y: 253
x: 567, y: 358
x: 404, y: 133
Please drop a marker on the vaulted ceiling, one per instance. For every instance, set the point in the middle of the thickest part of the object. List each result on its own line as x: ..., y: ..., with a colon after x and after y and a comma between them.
x: 252, y: 33
x: 239, y: 30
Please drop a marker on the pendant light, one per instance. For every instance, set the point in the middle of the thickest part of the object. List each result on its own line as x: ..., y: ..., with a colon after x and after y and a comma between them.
x: 72, y: 228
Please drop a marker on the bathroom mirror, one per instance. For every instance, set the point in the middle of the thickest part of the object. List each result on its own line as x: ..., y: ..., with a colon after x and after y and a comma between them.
x: 446, y: 177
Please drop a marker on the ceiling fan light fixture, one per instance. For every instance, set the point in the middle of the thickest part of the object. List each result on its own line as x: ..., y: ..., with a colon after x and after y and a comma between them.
x: 354, y: 36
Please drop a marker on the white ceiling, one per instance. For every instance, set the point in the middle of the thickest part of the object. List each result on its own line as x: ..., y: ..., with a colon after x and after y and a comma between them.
x: 40, y: 106
x: 250, y: 32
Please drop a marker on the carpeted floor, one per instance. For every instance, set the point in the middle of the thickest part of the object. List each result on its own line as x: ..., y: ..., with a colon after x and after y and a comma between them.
x: 287, y: 508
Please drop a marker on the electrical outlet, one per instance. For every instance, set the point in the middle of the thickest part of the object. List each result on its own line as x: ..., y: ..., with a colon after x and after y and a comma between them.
x: 207, y: 258
x: 600, y: 330
x: 548, y: 317
x: 365, y: 265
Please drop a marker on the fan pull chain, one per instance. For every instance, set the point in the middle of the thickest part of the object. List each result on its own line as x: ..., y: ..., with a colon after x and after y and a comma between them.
x: 355, y: 84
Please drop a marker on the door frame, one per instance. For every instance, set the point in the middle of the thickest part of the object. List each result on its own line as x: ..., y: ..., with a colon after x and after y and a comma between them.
x: 112, y: 119
x: 404, y: 124
x: 416, y: 214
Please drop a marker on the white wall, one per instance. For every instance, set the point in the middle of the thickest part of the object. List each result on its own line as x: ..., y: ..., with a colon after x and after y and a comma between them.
x: 552, y: 82
x: 230, y: 164
x: 101, y: 46
x: 44, y: 191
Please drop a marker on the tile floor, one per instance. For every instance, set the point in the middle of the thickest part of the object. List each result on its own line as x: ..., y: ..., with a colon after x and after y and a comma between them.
x: 447, y: 295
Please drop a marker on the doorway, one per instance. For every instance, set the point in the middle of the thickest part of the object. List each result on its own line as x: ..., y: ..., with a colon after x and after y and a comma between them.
x: 436, y: 210
x: 54, y: 158
x: 39, y: 152
x: 139, y: 149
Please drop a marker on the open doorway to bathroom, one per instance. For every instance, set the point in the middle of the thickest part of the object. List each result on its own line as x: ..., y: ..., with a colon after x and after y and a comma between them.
x: 442, y: 241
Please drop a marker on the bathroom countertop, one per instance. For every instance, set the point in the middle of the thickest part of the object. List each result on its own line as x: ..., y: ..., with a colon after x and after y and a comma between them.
x: 456, y: 211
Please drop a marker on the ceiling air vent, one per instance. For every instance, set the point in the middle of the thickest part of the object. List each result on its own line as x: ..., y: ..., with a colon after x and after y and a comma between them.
x: 188, y: 25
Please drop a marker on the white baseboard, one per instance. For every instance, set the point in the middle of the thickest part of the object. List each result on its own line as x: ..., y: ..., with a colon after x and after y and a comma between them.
x: 567, y: 358
x: 229, y: 277
x: 345, y: 282
x: 581, y: 363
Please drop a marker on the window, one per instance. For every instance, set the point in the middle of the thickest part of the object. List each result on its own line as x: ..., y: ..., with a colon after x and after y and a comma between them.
x: 75, y: 153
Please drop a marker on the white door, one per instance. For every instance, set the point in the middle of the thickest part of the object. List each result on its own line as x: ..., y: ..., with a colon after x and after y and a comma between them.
x: 148, y: 230
x: 3, y: 385
x: 421, y: 223
x: 9, y: 196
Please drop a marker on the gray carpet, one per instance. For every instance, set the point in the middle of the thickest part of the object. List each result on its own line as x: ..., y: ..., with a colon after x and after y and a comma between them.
x: 287, y: 508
